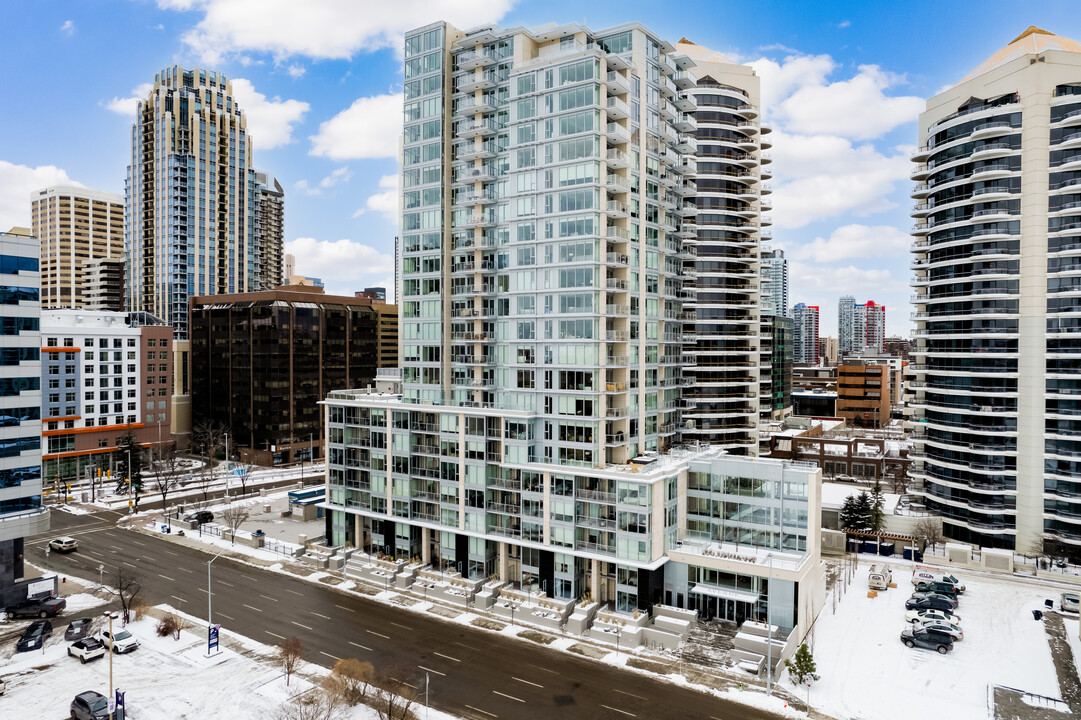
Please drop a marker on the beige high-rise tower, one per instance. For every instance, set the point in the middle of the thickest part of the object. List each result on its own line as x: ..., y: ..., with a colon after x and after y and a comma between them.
x: 75, y: 226
x: 996, y: 389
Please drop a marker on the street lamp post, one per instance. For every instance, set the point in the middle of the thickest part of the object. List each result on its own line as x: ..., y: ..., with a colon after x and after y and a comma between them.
x: 130, y: 509
x: 426, y: 695
x: 112, y: 689
x: 209, y: 598
x: 769, y: 629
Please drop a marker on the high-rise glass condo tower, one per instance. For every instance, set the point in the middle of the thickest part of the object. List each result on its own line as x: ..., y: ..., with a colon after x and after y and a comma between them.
x: 805, y: 333
x: 996, y: 390
x: 774, y: 282
x: 861, y: 327
x: 191, y: 198
x: 545, y: 183
x: 846, y: 324
x: 723, y: 341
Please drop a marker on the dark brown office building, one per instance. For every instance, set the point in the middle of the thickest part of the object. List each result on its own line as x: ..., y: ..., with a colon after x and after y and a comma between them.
x: 262, y: 361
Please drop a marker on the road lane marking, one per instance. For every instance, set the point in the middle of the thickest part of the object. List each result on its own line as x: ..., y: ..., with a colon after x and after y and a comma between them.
x: 624, y: 692
x: 508, y: 696
x: 166, y: 577
x: 271, y: 598
x: 406, y: 627
x: 448, y: 657
x: 428, y: 669
x: 319, y: 614
x: 225, y: 616
x: 373, y: 632
x: 623, y: 712
x: 274, y: 634
x: 178, y: 598
x: 482, y: 711
x: 549, y: 671
x: 186, y: 570
x: 136, y: 542
x: 299, y: 625
x: 293, y: 591
x: 172, y: 553
x: 362, y: 647
x: 526, y: 682
x: 332, y: 657
x: 343, y: 607
x: 254, y: 608
x: 227, y: 584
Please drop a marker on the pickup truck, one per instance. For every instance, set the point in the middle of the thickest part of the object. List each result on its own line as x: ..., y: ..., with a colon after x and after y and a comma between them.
x: 37, y: 607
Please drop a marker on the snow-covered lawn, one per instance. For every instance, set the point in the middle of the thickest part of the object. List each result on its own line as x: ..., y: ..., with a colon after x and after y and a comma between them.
x: 164, y: 679
x: 867, y: 672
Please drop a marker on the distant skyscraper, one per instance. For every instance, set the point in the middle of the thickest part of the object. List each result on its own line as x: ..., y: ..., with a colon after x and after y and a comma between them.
x: 774, y: 282
x: 104, y: 284
x: 75, y: 226
x: 21, y: 511
x: 191, y: 198
x: 846, y: 324
x: 805, y: 333
x: 861, y: 328
x: 996, y: 409
x: 268, y: 230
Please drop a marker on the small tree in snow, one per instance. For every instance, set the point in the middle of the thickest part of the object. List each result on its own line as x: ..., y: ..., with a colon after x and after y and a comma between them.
x: 928, y: 532
x: 289, y: 655
x: 234, y: 517
x: 802, y: 666
x: 878, y: 516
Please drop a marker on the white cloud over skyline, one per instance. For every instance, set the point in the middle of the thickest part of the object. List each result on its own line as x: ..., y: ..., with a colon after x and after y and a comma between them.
x: 369, y: 128
x: 16, y: 184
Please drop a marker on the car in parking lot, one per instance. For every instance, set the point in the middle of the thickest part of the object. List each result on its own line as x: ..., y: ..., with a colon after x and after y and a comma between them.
x: 200, y: 517
x: 90, y: 705
x: 120, y: 641
x: 87, y: 649
x: 943, y: 588
x: 77, y: 629
x: 34, y: 636
x: 930, y: 601
x: 930, y: 639
x: 3, y: 686
x: 1069, y: 602
x: 37, y: 607
x: 932, y: 614
x: 64, y: 544
x: 946, y: 628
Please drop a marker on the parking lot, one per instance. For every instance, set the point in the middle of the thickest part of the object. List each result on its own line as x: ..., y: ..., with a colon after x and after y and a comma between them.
x: 867, y: 672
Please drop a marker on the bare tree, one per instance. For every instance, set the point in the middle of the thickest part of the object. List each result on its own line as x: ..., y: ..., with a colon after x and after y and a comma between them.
x: 898, y: 483
x: 172, y: 624
x: 394, y: 698
x: 166, y: 478
x: 928, y: 532
x: 290, y: 653
x: 350, y: 681
x: 126, y: 586
x: 312, y: 705
x: 209, y: 437
x: 235, y: 516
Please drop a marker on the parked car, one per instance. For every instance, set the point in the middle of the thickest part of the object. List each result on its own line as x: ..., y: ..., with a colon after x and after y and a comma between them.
x: 34, y: 636
x: 845, y: 478
x: 922, y: 573
x: 930, y: 602
x: 930, y: 639
x: 87, y: 649
x: 950, y: 598
x: 121, y: 641
x: 38, y: 607
x: 77, y: 629
x: 3, y: 686
x: 1070, y: 602
x: 200, y: 517
x: 879, y: 577
x: 916, y: 615
x: 90, y: 705
x: 943, y: 588
x: 942, y: 626
x: 64, y: 544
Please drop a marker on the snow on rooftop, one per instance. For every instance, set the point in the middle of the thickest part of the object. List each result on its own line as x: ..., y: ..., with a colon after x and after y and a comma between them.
x: 834, y: 494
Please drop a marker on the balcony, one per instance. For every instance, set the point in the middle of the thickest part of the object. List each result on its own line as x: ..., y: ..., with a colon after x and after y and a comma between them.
x: 616, y: 209
x: 617, y: 260
x: 473, y: 151
x: 617, y: 84
x: 617, y: 158
x: 470, y: 105
x: 683, y: 80
x: 617, y: 134
x: 478, y: 128
x: 617, y: 109
x: 476, y: 81
x: 685, y: 103
x: 471, y: 60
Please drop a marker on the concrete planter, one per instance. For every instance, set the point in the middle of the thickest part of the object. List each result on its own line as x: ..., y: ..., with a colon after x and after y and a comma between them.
x: 581, y: 617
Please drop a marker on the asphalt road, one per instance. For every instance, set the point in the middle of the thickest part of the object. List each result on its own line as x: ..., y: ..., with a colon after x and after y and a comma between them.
x: 471, y: 673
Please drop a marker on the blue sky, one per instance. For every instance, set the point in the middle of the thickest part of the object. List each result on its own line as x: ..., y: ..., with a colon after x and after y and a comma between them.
x: 843, y: 83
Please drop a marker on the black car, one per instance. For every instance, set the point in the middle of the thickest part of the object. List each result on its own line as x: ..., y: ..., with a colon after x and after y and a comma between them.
x: 930, y: 639
x: 90, y: 705
x: 34, y: 635
x: 200, y: 517
x: 942, y: 588
x: 38, y: 607
x: 930, y: 602
x: 77, y: 629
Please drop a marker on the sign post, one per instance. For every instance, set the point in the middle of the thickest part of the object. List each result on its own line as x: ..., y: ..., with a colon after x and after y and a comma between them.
x: 212, y: 639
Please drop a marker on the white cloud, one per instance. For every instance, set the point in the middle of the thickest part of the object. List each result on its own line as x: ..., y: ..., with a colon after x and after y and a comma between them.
x: 270, y: 122
x: 369, y: 128
x: 844, y: 23
x: 386, y: 202
x: 340, y: 175
x: 296, y: 71
x: 128, y: 105
x: 68, y: 28
x: 330, y: 29
x: 344, y: 266
x: 16, y: 184
x: 854, y: 241
x: 829, y: 176
x: 779, y: 80
x: 824, y: 286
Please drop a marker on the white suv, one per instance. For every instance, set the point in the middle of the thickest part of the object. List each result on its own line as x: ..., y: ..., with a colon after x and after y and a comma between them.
x: 121, y: 641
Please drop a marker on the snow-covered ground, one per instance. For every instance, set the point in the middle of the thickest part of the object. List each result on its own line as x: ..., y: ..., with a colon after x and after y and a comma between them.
x: 867, y: 672
x: 164, y: 679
